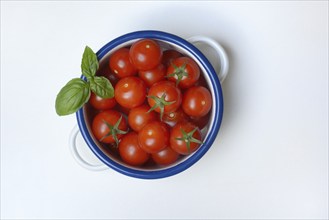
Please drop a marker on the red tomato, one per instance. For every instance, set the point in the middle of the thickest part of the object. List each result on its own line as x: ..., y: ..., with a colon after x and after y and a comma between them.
x: 130, y: 92
x: 201, y: 81
x: 130, y: 150
x: 109, y: 126
x: 154, y: 137
x: 172, y: 118
x: 201, y: 122
x: 138, y: 117
x: 120, y: 63
x: 184, y: 71
x: 164, y: 97
x: 122, y: 109
x: 169, y: 55
x: 154, y: 75
x: 104, y: 70
x: 185, y: 138
x: 165, y: 157
x: 145, y: 54
x: 197, y: 101
x: 101, y: 103
x: 113, y: 79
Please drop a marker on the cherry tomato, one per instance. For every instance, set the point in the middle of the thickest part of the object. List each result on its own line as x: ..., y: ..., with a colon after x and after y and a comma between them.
x: 197, y: 101
x: 122, y: 109
x: 185, y: 138
x: 201, y: 122
x: 172, y: 118
x: 130, y: 92
x: 113, y: 79
x: 120, y: 63
x: 184, y: 71
x: 104, y: 70
x: 130, y: 150
x: 145, y: 54
x: 139, y: 116
x: 154, y: 75
x: 169, y: 55
x: 101, y: 103
x: 165, y: 157
x: 164, y: 97
x: 109, y: 126
x: 201, y: 81
x: 154, y: 137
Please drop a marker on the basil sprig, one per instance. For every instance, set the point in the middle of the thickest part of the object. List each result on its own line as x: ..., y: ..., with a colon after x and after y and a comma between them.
x: 76, y: 92
x: 89, y: 63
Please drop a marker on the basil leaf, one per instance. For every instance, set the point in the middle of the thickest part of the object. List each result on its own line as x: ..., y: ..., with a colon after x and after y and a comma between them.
x: 102, y: 87
x: 72, y: 97
x: 89, y: 63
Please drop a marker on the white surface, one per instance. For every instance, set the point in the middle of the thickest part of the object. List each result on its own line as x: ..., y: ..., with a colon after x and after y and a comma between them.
x: 270, y: 159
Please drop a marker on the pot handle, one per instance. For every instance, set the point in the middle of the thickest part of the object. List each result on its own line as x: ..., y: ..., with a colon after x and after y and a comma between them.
x: 76, y: 155
x: 224, y: 63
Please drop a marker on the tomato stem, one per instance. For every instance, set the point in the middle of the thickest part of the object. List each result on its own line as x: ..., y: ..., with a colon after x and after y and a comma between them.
x: 114, y: 130
x: 159, y: 103
x: 188, y: 138
x: 180, y: 72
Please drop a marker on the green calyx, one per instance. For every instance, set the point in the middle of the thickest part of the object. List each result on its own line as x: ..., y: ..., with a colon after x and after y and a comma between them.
x: 180, y: 72
x: 160, y: 103
x: 188, y: 138
x: 114, y: 131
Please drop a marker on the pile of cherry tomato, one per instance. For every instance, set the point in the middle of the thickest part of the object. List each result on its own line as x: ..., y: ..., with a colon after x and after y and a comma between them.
x: 160, y: 104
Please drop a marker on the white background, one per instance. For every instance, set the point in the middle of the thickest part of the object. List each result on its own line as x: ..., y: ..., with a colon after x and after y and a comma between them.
x: 270, y: 159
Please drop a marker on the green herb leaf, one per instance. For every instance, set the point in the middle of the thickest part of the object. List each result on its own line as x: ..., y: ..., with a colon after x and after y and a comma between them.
x: 72, y: 97
x: 102, y: 87
x: 89, y: 64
